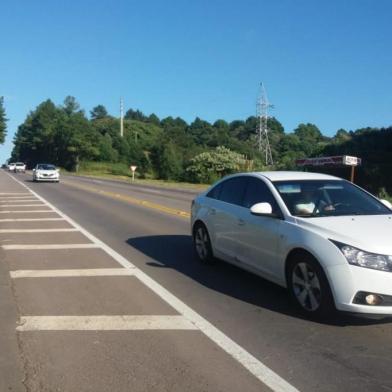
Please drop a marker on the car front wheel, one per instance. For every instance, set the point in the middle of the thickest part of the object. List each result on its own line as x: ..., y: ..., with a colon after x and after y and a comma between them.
x: 309, y: 287
x: 202, y: 243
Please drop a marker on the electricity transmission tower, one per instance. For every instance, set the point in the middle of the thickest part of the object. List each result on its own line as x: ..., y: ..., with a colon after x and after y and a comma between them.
x: 262, y: 126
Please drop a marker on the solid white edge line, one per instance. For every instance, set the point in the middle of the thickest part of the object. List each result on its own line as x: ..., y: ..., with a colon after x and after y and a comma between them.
x: 103, y: 323
x: 48, y: 246
x: 60, y: 273
x: 37, y: 230
x: 250, y: 362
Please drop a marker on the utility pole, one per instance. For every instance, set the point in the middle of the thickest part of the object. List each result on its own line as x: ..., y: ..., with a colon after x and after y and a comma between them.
x: 121, y: 117
x: 263, y: 144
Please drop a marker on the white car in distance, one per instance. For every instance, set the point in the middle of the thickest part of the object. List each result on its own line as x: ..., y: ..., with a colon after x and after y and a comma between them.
x: 326, y: 240
x: 46, y: 172
x: 11, y: 166
x: 20, y: 167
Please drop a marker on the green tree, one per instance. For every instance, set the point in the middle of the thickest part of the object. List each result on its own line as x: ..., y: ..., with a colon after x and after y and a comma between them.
x: 135, y: 115
x: 168, y: 161
x: 201, y: 131
x: 154, y: 119
x: 99, y: 112
x: 34, y: 139
x: 3, y: 121
x: 70, y: 105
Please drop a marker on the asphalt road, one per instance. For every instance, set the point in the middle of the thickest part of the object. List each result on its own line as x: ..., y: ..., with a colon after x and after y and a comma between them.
x: 150, y: 228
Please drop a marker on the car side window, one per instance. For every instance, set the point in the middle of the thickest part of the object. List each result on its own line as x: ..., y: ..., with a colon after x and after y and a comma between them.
x: 233, y: 190
x: 215, y: 192
x: 258, y: 192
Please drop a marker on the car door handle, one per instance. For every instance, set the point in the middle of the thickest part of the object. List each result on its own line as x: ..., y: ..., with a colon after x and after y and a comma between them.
x: 240, y: 222
x: 212, y: 211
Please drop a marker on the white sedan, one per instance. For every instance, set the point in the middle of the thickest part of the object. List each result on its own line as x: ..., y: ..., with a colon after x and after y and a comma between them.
x: 326, y: 240
x: 46, y: 172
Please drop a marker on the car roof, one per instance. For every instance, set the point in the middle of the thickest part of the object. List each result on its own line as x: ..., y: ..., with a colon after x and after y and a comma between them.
x: 293, y: 175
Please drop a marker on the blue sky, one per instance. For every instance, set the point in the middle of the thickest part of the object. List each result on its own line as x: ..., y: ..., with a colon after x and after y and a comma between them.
x: 325, y: 62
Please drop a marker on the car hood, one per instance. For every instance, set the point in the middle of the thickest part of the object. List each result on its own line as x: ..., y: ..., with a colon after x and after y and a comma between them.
x: 372, y: 233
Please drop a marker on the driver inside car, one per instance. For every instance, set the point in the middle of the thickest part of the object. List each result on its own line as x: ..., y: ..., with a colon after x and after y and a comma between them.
x: 311, y: 203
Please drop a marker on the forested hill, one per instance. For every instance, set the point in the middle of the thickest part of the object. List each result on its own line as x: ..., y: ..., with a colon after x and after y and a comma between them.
x: 170, y: 148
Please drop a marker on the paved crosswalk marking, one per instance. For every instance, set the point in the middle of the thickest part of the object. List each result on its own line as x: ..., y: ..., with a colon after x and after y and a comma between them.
x: 17, y: 199
x: 49, y: 246
x: 38, y: 230
x: 30, y: 219
x: 16, y: 193
x: 21, y: 205
x: 24, y: 212
x: 57, y: 273
x: 103, y: 323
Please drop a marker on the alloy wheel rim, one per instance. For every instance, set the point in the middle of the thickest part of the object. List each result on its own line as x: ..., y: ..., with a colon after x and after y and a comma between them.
x: 201, y: 242
x: 306, y: 286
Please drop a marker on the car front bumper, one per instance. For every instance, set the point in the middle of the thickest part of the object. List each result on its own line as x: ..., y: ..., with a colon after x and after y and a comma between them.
x: 348, y: 280
x: 55, y: 179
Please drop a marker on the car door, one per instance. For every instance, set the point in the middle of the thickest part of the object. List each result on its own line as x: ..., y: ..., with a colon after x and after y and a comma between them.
x: 224, y: 214
x: 259, y: 235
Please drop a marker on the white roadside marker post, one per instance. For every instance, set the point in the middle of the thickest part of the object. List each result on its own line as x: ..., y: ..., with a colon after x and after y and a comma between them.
x: 133, y: 169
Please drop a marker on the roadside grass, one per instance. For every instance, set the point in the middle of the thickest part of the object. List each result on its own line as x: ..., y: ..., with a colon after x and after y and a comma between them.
x: 120, y: 172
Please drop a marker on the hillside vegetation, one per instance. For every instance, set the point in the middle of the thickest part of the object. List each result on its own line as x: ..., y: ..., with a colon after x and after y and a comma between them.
x: 172, y: 149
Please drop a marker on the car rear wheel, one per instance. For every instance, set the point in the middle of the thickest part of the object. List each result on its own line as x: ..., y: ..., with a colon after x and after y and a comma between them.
x: 202, y: 243
x: 309, y: 287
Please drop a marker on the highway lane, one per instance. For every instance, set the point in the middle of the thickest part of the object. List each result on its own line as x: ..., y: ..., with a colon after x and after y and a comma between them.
x: 345, y: 354
x: 87, y: 319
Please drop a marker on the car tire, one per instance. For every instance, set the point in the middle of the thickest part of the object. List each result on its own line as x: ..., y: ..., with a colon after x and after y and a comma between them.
x: 202, y: 244
x: 308, y: 286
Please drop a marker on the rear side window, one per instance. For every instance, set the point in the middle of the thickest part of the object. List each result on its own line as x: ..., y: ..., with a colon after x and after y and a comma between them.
x: 258, y: 192
x: 215, y: 192
x: 233, y: 190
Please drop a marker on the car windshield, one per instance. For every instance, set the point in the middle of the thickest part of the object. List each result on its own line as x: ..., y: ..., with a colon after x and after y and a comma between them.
x: 46, y: 167
x: 318, y: 198
x: 19, y: 164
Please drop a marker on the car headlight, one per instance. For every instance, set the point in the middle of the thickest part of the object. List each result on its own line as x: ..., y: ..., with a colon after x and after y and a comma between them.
x: 364, y: 259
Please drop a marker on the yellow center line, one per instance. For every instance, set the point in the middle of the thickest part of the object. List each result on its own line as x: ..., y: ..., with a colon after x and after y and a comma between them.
x: 132, y: 200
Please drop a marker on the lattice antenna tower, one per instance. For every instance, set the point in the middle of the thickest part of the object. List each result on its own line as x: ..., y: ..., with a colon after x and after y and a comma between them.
x: 262, y: 127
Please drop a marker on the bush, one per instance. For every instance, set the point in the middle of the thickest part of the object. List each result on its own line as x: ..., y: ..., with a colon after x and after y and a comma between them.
x: 209, y: 166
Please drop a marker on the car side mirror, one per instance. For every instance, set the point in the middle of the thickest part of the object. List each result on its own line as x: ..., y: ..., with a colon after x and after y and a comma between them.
x: 261, y: 209
x: 33, y: 169
x: 386, y: 203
